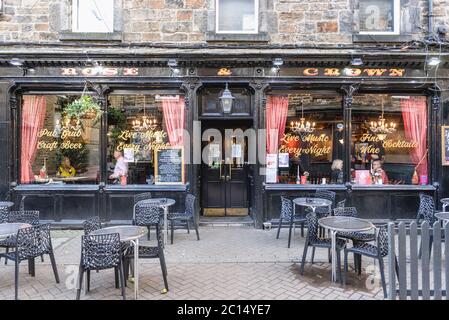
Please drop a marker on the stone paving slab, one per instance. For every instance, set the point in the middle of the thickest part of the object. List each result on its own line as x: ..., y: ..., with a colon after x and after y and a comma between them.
x: 234, y: 263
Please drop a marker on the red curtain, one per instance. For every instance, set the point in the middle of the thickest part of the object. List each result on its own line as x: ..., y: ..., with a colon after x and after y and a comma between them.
x: 174, y: 116
x: 276, y: 116
x: 414, y: 113
x: 33, y: 115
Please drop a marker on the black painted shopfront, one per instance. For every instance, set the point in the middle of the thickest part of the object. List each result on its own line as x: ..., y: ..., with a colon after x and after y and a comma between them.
x: 341, y: 103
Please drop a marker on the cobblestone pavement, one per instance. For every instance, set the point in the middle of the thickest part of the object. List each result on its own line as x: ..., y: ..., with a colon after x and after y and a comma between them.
x: 227, y: 263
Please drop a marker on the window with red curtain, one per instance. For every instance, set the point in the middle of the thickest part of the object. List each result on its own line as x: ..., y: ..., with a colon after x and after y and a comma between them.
x: 56, y: 148
x: 296, y: 156
x: 393, y: 150
x: 138, y: 125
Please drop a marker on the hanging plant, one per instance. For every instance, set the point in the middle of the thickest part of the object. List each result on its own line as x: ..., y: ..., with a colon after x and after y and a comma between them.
x: 83, y: 108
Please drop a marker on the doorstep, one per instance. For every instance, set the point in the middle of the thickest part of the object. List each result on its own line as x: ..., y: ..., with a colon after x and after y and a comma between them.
x: 246, y: 221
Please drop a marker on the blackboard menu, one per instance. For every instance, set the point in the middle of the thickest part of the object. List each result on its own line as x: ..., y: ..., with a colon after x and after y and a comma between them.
x: 445, y: 145
x: 169, y: 166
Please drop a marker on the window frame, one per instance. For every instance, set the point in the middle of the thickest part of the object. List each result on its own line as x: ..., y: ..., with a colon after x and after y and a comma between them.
x: 75, y: 15
x: 396, y: 21
x: 256, y: 18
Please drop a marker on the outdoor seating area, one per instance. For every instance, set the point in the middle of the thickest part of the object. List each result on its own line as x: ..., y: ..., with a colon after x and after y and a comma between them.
x: 325, y: 224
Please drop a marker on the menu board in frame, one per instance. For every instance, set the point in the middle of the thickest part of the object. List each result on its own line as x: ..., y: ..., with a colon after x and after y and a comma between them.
x: 445, y: 145
x: 169, y: 165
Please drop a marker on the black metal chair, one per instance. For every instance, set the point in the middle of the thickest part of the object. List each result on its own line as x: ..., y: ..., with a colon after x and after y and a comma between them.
x: 328, y: 195
x: 31, y: 243
x: 139, y: 197
x: 341, y: 204
x: 4, y: 214
x: 288, y: 214
x: 354, y: 236
x: 91, y: 224
x: 182, y: 219
x: 26, y: 216
x: 153, y: 216
x: 312, y: 240
x: 100, y: 252
x: 426, y: 212
x: 377, y: 251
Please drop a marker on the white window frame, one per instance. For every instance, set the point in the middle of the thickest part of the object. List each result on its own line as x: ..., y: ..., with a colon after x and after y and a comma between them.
x: 256, y: 18
x: 75, y: 27
x: 396, y: 18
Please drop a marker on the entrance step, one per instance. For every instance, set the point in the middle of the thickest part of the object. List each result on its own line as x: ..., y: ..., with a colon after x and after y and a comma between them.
x: 246, y: 221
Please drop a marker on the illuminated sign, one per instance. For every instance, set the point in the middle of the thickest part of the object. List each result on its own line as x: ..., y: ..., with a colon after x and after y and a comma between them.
x: 100, y: 71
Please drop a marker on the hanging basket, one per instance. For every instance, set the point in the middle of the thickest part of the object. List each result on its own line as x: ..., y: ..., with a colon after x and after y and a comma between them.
x: 84, y: 108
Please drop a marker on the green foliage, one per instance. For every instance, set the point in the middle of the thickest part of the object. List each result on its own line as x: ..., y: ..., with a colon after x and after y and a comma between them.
x: 85, y: 106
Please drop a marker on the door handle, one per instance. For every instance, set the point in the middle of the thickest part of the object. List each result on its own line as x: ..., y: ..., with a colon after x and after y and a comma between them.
x: 229, y: 177
x: 222, y: 177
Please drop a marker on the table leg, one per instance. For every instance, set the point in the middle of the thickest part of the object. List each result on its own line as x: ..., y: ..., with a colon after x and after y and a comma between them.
x: 165, y: 225
x: 334, y: 254
x: 444, y: 207
x: 135, y: 243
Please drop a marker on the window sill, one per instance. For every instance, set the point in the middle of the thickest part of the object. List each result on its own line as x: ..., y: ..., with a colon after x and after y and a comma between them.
x: 90, y: 36
x: 381, y: 37
x: 291, y: 186
x: 56, y: 187
x: 146, y: 187
x: 233, y: 37
x: 393, y: 187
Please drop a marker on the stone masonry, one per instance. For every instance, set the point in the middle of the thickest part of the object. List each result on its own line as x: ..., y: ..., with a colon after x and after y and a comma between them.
x: 299, y: 22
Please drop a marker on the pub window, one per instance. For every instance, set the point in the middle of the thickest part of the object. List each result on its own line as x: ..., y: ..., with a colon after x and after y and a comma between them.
x: 237, y: 16
x: 379, y: 16
x: 56, y: 148
x: 92, y: 16
x: 304, y: 138
x: 145, y: 139
x: 389, y: 140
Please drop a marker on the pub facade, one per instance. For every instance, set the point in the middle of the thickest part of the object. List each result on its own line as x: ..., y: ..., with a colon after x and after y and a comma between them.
x: 88, y: 120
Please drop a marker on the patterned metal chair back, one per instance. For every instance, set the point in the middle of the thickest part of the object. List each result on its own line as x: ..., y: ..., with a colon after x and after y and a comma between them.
x: 142, y: 196
x: 25, y: 216
x: 341, y: 204
x: 91, y: 225
x: 44, y: 239
x: 148, y: 216
x: 100, y: 251
x: 4, y: 214
x: 426, y: 209
x: 346, y: 212
x: 312, y: 227
x: 190, y: 204
x: 28, y: 243
x: 326, y: 194
x: 286, y: 208
x: 382, y: 240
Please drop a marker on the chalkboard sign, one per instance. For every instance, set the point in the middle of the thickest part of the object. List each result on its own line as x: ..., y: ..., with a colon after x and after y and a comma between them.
x: 169, y: 165
x: 445, y: 145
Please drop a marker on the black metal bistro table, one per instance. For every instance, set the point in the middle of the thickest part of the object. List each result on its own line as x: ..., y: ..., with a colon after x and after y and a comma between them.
x: 131, y: 234
x: 10, y: 229
x: 162, y: 203
x: 312, y: 203
x: 342, y: 224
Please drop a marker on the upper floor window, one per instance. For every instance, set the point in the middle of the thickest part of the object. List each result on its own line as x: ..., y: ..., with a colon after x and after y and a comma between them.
x: 93, y: 16
x: 237, y: 16
x: 379, y: 16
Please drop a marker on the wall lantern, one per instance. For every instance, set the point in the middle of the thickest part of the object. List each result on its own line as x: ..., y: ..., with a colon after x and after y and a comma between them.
x: 226, y: 100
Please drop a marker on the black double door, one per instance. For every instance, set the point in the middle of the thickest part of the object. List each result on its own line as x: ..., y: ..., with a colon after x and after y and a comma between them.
x: 224, y: 173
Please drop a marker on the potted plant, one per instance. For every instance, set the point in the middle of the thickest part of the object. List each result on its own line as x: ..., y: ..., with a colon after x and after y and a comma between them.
x: 84, y: 107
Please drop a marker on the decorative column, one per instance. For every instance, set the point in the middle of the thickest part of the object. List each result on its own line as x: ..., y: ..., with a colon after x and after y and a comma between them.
x: 435, y: 154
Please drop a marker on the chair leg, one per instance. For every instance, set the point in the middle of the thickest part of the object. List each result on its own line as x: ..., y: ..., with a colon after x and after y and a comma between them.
x: 187, y: 225
x: 88, y: 280
x: 302, y: 229
x: 6, y: 259
x: 163, y: 268
x: 279, y: 228
x: 172, y: 230
x: 290, y: 232
x: 16, y: 279
x: 122, y: 281
x: 33, y: 267
x: 149, y: 231
x: 382, y: 275
x: 80, y: 283
x: 339, y: 266
x: 42, y: 258
x: 313, y: 254
x: 345, y: 267
x: 116, y: 278
x: 196, y: 230
x: 53, y: 265
x: 304, y: 255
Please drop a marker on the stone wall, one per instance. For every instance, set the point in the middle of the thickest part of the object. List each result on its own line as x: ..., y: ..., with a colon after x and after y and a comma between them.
x: 314, y: 22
